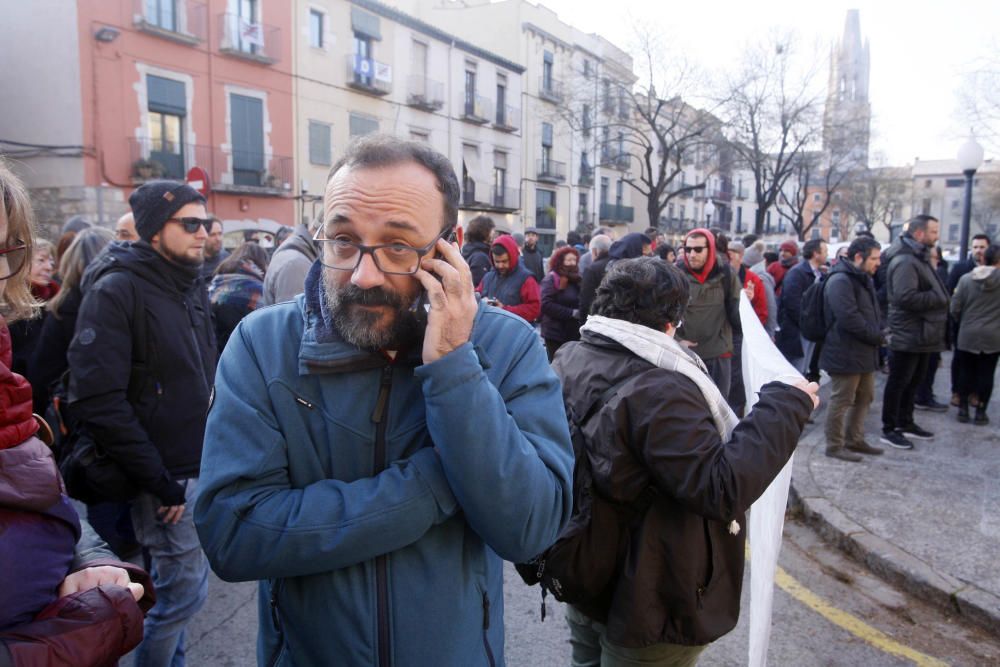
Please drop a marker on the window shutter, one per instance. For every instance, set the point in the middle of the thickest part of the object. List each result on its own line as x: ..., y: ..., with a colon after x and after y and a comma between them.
x: 546, y: 134
x: 166, y: 95
x: 365, y: 24
x: 361, y: 125
x: 319, y: 143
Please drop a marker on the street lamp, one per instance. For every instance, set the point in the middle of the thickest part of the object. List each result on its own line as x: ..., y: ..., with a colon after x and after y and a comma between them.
x: 970, y: 156
x: 709, y: 210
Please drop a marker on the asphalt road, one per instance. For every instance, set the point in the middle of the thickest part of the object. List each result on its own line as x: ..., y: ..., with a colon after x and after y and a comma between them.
x: 887, y: 627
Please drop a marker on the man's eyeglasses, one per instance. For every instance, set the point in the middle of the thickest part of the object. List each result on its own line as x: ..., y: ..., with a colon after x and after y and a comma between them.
x: 15, y: 256
x: 191, y: 225
x: 696, y: 250
x: 391, y: 258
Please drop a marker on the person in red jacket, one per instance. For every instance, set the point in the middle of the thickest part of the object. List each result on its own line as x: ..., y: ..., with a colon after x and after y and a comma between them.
x: 788, y: 256
x: 61, y: 601
x: 751, y: 282
x: 510, y: 285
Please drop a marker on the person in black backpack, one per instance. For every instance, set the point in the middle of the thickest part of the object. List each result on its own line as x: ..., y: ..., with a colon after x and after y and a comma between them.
x: 798, y: 350
x: 850, y: 349
x: 142, y: 367
x: 666, y: 439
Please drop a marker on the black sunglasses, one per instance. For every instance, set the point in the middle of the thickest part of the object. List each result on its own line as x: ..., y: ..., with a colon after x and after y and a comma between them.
x: 191, y: 225
x: 697, y: 251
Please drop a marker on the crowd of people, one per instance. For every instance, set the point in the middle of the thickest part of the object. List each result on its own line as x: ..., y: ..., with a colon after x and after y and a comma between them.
x: 324, y: 446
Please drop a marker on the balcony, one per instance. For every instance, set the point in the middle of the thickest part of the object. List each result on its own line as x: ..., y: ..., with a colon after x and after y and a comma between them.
x: 551, y: 90
x: 368, y: 75
x: 722, y: 195
x: 584, y: 217
x: 247, y: 172
x: 617, y: 214
x: 506, y: 199
x: 545, y: 218
x: 424, y: 93
x: 489, y: 197
x: 507, y: 118
x: 551, y: 171
x: 477, y: 109
x: 258, y: 42
x: 183, y: 22
x: 614, y: 159
x: 586, y: 179
x: 241, y: 172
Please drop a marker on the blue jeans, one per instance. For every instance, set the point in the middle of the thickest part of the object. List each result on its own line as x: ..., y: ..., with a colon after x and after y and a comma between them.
x: 180, y: 575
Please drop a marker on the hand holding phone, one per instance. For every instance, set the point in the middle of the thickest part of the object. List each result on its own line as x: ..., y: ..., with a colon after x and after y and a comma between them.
x: 447, y: 283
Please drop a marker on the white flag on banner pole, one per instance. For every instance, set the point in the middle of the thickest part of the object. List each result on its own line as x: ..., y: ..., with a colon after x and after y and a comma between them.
x: 763, y: 363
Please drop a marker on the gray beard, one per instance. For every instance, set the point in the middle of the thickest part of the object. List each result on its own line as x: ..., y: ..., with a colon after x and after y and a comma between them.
x: 362, y: 328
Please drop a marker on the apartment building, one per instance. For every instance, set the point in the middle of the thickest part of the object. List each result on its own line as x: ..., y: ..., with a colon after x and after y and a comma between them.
x: 141, y: 89
x: 938, y: 189
x: 363, y: 67
x: 568, y: 169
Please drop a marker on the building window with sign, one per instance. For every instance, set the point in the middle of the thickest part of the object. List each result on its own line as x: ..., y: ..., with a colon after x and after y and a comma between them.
x: 363, y: 68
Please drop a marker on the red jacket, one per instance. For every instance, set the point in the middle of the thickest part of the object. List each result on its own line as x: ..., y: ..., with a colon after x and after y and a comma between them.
x: 524, y: 300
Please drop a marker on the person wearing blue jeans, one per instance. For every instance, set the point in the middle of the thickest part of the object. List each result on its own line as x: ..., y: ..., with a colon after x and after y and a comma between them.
x: 180, y: 576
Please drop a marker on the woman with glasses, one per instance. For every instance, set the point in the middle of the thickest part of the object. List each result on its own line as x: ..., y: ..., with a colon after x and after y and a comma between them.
x: 24, y: 333
x: 42, y: 535
x: 237, y: 288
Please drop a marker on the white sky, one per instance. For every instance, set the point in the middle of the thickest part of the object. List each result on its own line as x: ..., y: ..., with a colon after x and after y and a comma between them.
x: 919, y: 51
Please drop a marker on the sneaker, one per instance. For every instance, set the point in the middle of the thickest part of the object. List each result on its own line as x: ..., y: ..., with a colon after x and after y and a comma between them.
x: 981, y: 418
x: 915, y: 432
x: 932, y: 406
x: 843, y: 454
x: 895, y: 439
x: 865, y: 448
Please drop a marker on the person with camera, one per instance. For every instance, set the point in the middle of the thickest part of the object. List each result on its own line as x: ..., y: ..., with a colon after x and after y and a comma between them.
x: 509, y: 284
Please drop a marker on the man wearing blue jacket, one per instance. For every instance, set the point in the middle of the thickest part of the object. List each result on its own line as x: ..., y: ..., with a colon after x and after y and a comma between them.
x: 371, y: 460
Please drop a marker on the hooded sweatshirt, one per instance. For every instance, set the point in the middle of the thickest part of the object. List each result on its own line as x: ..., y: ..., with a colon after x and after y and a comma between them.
x: 976, y: 306
x: 713, y: 308
x: 517, y: 290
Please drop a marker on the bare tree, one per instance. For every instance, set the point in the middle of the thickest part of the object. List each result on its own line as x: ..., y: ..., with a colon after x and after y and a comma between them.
x: 874, y: 195
x: 979, y: 98
x: 771, y: 111
x: 814, y: 173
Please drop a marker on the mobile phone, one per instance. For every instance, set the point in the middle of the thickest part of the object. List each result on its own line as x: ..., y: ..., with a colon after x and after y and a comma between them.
x: 422, y: 305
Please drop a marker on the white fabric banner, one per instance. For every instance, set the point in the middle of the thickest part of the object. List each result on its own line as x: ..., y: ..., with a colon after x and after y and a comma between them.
x: 763, y: 363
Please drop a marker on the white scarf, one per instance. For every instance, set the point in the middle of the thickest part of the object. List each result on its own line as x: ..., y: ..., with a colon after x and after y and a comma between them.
x: 663, y: 351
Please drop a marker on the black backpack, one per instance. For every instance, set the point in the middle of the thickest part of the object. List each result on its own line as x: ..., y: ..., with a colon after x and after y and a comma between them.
x: 580, y: 567
x: 812, y: 319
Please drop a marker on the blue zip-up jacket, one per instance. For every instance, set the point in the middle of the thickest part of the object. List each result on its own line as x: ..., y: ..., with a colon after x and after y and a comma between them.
x: 375, y: 500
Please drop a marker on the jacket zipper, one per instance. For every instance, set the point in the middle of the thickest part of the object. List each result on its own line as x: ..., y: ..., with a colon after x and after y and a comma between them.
x: 486, y: 627
x: 381, y: 576
x: 277, y: 624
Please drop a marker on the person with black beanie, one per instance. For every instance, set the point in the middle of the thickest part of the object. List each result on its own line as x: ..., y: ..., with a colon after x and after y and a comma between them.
x: 142, y: 366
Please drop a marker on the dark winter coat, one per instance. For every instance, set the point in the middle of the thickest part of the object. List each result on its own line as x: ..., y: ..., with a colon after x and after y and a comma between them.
x: 48, y: 361
x: 147, y: 414
x: 559, y: 323
x: 959, y: 269
x: 477, y: 255
x: 918, y: 300
x: 533, y: 261
x: 976, y: 306
x: 795, y: 283
x: 850, y: 307
x: 210, y: 264
x: 234, y: 296
x: 681, y: 578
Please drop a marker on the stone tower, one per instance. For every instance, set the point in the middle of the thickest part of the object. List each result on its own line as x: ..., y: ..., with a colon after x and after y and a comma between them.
x: 847, y: 117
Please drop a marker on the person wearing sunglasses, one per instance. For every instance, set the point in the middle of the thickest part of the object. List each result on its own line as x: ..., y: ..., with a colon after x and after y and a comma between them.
x: 371, y: 460
x: 142, y: 365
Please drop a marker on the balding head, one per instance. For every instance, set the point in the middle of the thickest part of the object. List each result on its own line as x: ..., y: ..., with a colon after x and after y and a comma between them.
x: 125, y: 228
x: 599, y: 246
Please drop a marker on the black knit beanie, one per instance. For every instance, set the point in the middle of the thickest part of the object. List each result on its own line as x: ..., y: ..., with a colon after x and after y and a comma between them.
x: 155, y: 202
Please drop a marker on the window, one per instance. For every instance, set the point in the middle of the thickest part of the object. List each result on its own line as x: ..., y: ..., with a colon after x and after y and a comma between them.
x: 546, y: 147
x: 586, y: 120
x: 364, y: 69
x: 547, y: 65
x: 167, y: 107
x: 817, y: 197
x: 319, y: 143
x: 499, y: 177
x: 927, y: 183
x: 583, y: 202
x: 925, y: 206
x: 670, y: 211
x: 739, y: 219
x: 683, y: 215
x: 609, y: 104
x: 316, y: 29
x: 952, y: 232
x: 247, y: 11
x: 362, y: 125
x: 470, y: 89
x: 546, y: 213
x: 954, y: 204
x: 954, y: 183
x: 162, y: 14
x: 247, y: 129
x: 586, y: 69
x: 501, y: 99
x: 619, y: 192
x: 605, y: 185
